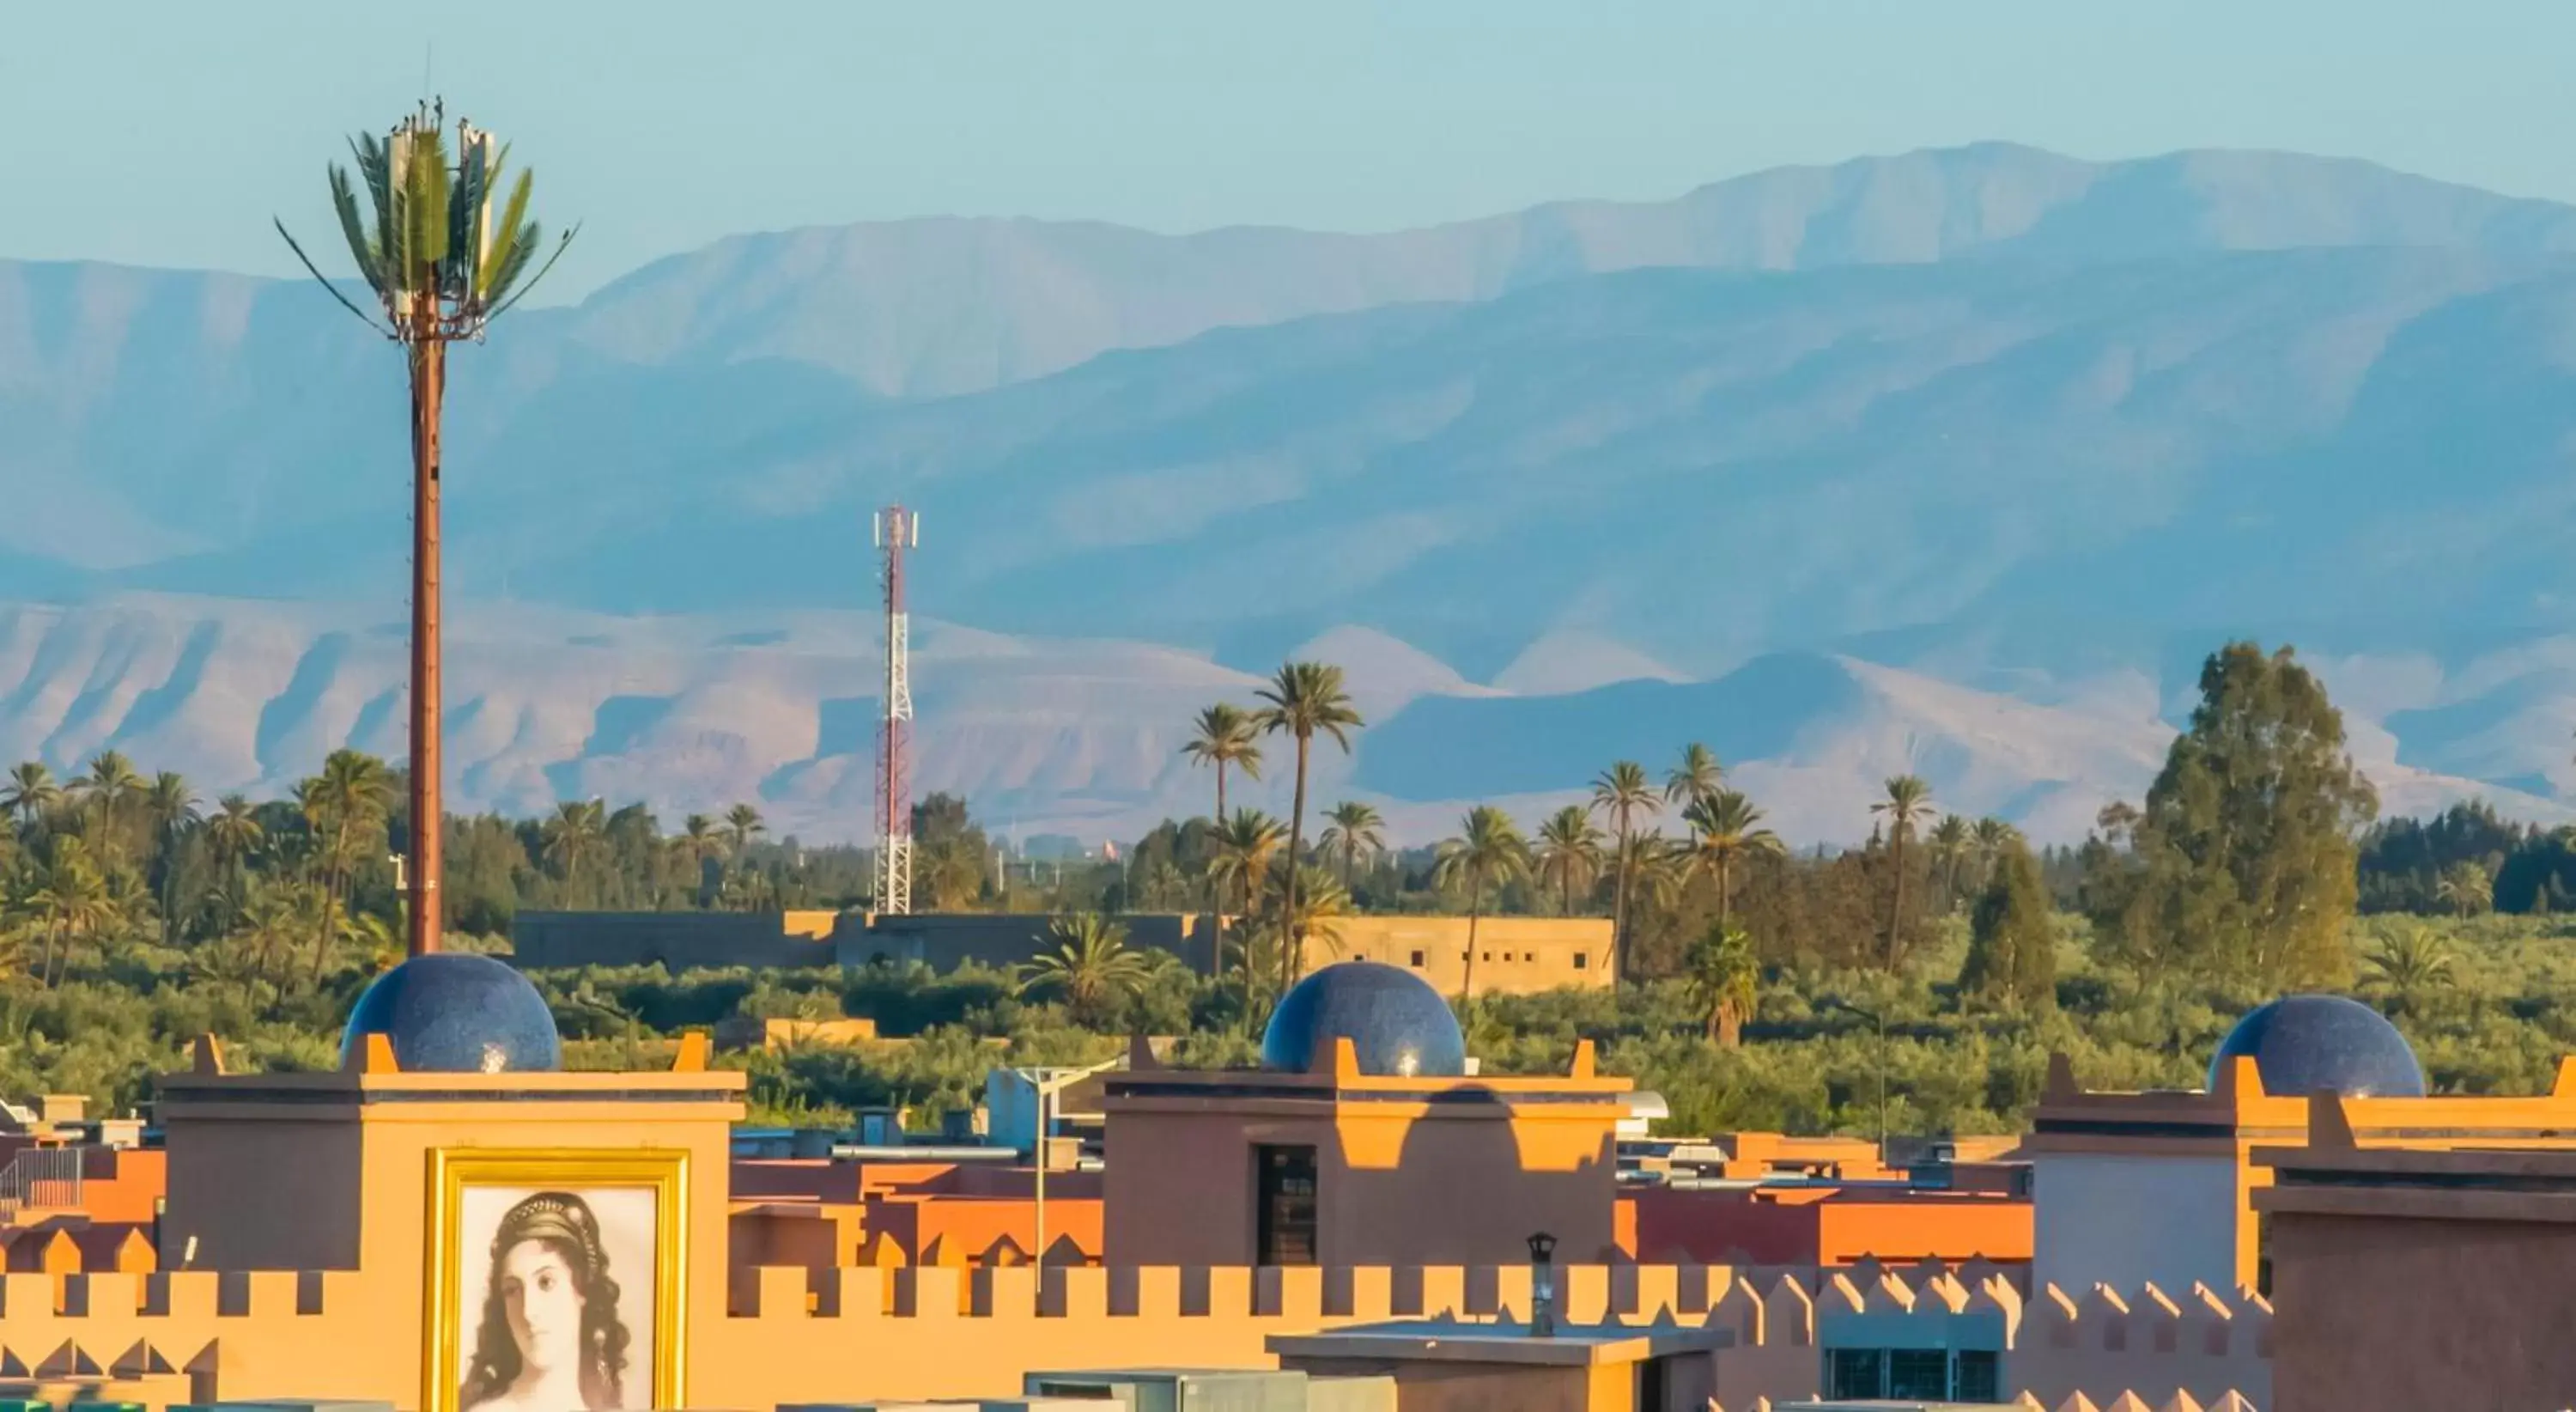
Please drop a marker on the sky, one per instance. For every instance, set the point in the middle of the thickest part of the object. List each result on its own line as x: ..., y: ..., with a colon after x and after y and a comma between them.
x: 169, y: 133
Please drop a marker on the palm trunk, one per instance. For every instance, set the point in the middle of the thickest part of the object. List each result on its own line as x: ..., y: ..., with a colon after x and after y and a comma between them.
x: 1723, y: 893
x: 1292, y: 960
x: 1220, y: 791
x: 1896, y: 896
x: 1619, y: 908
x: 45, y: 967
x: 428, y: 816
x: 330, y: 899
x: 1246, y: 947
x: 1475, y: 909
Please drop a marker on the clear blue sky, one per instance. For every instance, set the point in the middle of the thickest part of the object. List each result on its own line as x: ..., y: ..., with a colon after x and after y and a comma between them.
x: 167, y: 133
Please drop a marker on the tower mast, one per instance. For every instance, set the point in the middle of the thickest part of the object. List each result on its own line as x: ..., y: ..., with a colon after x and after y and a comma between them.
x: 897, y: 530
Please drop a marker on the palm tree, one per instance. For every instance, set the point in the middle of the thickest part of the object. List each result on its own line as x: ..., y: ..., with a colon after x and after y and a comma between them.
x: 72, y: 900
x: 1227, y: 735
x: 949, y: 871
x: 1240, y: 850
x: 1992, y: 835
x: 1322, y: 902
x: 1726, y: 826
x: 1726, y: 980
x: 1622, y: 794
x: 1489, y: 848
x: 1908, y: 802
x: 171, y: 808
x: 1091, y: 964
x: 2466, y: 886
x: 742, y: 825
x: 109, y: 791
x: 573, y: 839
x: 441, y: 264
x: 344, y: 804
x: 1695, y: 778
x: 31, y: 792
x: 273, y: 919
x: 1569, y: 853
x: 693, y: 846
x: 234, y: 833
x: 1949, y: 841
x: 1305, y: 699
x: 1355, y: 828
x: 2410, y: 963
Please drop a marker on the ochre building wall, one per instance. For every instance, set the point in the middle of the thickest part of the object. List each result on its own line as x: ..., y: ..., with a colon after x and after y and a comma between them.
x: 782, y: 1335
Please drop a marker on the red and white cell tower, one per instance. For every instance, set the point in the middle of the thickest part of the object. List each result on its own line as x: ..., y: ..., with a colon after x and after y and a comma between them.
x: 897, y: 530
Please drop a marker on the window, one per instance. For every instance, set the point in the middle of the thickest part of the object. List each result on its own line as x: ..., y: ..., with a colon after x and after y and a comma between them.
x: 1979, y: 1377
x: 1284, y: 1205
x: 1417, y: 960
x: 1489, y: 956
x: 1856, y: 1373
x: 1918, y: 1372
x: 1926, y: 1374
x: 1583, y: 960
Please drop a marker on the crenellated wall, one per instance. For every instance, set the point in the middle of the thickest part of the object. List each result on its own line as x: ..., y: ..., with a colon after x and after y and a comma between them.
x: 790, y: 1336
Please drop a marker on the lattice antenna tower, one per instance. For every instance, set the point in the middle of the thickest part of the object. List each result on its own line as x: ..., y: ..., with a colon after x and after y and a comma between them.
x: 897, y: 530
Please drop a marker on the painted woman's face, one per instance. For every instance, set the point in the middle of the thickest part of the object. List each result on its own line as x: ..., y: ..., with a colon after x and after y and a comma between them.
x: 545, y: 1312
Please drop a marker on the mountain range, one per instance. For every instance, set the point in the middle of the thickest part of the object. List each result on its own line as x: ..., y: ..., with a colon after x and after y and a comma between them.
x: 1953, y: 462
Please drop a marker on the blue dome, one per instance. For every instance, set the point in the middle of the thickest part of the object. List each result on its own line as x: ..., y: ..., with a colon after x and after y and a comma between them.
x: 2304, y: 1044
x: 1396, y: 1021
x: 453, y: 1012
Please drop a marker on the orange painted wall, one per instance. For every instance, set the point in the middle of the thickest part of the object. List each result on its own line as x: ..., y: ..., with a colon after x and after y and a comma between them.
x: 1824, y: 1226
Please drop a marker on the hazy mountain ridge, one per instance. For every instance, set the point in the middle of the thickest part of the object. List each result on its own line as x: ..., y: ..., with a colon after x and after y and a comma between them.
x: 693, y: 714
x: 1986, y: 445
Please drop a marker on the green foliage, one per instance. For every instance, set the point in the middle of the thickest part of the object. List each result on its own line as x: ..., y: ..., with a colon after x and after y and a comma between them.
x: 2012, y: 947
x: 1726, y: 980
x: 2244, y: 859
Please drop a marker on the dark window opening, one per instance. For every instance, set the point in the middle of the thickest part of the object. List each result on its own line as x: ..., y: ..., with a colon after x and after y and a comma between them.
x: 1914, y: 1374
x: 1856, y: 1373
x: 1417, y: 960
x: 1918, y: 1372
x: 1979, y: 1377
x: 1284, y: 1205
x: 1583, y: 960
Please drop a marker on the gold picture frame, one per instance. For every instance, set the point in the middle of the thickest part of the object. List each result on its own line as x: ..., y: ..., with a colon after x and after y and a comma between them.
x: 546, y: 1185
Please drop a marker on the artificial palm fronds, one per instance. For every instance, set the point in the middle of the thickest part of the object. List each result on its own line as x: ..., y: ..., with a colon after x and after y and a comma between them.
x: 426, y: 242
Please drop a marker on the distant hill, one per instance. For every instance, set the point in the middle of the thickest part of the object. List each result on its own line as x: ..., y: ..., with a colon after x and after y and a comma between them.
x: 1953, y: 461
x: 692, y: 714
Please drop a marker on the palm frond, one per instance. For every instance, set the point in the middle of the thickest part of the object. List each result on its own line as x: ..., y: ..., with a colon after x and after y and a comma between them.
x: 561, y: 244
x: 376, y: 162
x: 363, y: 316
x: 344, y: 199
x: 513, y: 242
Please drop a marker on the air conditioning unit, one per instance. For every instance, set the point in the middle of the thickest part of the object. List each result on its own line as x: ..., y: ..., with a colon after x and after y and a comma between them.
x: 1158, y: 1390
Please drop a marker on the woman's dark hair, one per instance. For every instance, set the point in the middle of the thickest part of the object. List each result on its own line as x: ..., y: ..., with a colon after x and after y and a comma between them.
x: 564, y: 1223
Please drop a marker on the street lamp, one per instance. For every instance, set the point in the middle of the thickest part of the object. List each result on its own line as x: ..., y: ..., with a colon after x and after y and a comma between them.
x: 1047, y: 1088
x: 1879, y: 1020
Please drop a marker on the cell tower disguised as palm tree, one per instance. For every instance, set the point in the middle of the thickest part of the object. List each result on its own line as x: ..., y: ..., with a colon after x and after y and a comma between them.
x: 444, y: 252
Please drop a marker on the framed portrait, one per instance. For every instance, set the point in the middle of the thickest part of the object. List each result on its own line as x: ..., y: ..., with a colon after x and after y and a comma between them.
x: 556, y: 1280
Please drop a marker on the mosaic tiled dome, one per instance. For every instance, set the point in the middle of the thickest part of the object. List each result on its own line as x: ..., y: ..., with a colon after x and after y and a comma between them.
x: 1396, y: 1021
x: 2304, y: 1044
x: 457, y: 1013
